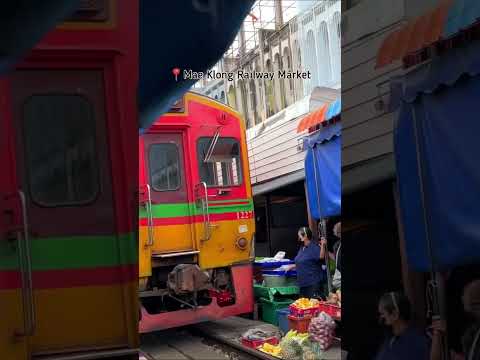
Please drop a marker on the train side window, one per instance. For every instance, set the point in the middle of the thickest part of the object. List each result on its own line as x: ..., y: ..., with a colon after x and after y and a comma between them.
x: 223, y: 166
x: 60, y: 145
x: 164, y: 164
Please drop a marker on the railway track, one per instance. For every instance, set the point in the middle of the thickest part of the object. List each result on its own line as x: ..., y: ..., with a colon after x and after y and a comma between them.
x: 217, y: 340
x: 191, y: 344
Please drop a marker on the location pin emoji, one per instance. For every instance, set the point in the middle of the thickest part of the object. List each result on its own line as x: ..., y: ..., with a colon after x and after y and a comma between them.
x: 176, y: 72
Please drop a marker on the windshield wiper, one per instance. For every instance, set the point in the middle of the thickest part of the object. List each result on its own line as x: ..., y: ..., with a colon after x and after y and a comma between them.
x: 212, y: 145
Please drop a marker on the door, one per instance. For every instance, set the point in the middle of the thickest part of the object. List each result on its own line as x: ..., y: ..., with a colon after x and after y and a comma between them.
x: 227, y: 226
x: 14, y: 323
x: 63, y: 169
x: 168, y: 182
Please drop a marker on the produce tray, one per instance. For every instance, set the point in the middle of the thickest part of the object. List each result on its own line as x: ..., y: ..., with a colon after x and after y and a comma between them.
x: 273, y: 265
x: 334, y: 311
x: 255, y: 344
x: 291, y: 273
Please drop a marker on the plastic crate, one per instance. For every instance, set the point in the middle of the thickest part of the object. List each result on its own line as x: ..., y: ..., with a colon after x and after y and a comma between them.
x: 276, y: 293
x: 294, y: 311
x: 269, y: 309
x: 290, y: 273
x: 299, y: 323
x: 334, y: 311
x: 282, y: 316
x: 255, y: 344
x: 275, y: 280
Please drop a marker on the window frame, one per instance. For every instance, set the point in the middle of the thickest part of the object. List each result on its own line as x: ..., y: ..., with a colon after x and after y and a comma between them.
x: 177, y: 150
x: 97, y: 172
x: 240, y: 159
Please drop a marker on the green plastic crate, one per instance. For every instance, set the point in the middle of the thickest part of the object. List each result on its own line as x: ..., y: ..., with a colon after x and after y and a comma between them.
x: 269, y: 309
x: 275, y: 293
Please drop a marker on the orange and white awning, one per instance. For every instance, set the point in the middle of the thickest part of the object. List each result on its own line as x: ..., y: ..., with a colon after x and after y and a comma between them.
x: 417, y: 34
x: 322, y: 114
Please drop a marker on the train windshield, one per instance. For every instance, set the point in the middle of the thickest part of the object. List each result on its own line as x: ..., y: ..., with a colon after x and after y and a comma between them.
x: 222, y: 166
x: 164, y: 162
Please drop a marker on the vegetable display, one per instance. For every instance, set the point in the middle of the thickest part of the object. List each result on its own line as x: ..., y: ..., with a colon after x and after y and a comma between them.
x: 321, y: 330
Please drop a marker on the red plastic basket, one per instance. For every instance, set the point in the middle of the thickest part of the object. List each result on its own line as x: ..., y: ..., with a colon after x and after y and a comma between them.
x: 294, y: 311
x: 300, y: 324
x: 333, y: 310
x: 255, y: 344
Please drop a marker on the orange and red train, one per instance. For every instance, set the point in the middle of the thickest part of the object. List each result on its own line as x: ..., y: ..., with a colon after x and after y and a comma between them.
x: 70, y: 275
x: 68, y: 184
x: 197, y: 226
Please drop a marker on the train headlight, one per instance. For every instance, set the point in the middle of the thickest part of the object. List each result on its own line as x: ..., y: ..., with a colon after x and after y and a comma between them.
x: 242, y: 243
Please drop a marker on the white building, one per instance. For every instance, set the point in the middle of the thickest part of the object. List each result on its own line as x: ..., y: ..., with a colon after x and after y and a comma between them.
x: 310, y: 41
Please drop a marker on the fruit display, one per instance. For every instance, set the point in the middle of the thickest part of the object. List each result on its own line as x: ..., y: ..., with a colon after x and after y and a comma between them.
x: 274, y: 350
x: 298, y: 337
x: 304, y: 303
x: 304, y: 307
x: 292, y: 345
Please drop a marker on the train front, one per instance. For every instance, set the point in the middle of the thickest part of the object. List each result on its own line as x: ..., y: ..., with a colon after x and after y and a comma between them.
x: 196, y: 216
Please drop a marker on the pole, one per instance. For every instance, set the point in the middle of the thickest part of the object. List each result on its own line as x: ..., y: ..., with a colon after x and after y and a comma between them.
x: 322, y: 222
x: 268, y: 223
x: 437, y: 313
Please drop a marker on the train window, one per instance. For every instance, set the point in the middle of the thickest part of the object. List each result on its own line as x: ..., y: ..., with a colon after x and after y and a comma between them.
x: 164, y: 164
x: 222, y: 167
x: 59, y: 133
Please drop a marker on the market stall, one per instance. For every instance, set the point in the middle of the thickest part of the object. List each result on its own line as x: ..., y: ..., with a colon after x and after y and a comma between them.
x: 323, y: 165
x: 305, y: 328
x: 436, y: 139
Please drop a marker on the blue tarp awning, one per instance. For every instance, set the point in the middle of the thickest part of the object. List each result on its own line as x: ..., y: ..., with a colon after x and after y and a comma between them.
x: 24, y: 23
x: 462, y: 14
x: 437, y: 148
x: 184, y: 34
x: 323, y: 172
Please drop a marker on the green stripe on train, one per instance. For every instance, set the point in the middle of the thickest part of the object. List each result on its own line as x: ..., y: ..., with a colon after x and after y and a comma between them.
x: 186, y: 209
x: 74, y: 252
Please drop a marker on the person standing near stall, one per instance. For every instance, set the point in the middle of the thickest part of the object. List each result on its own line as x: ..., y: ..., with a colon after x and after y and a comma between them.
x: 311, y: 274
x: 471, y: 337
x: 337, y: 256
x: 403, y: 341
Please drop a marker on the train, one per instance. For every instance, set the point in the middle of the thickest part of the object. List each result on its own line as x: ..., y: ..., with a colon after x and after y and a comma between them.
x: 68, y: 191
x: 196, y: 219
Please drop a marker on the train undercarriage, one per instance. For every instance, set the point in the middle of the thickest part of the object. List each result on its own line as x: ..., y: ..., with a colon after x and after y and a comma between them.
x: 184, y: 294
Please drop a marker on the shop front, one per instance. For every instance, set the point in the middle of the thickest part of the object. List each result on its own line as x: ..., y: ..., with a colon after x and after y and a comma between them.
x: 436, y: 154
